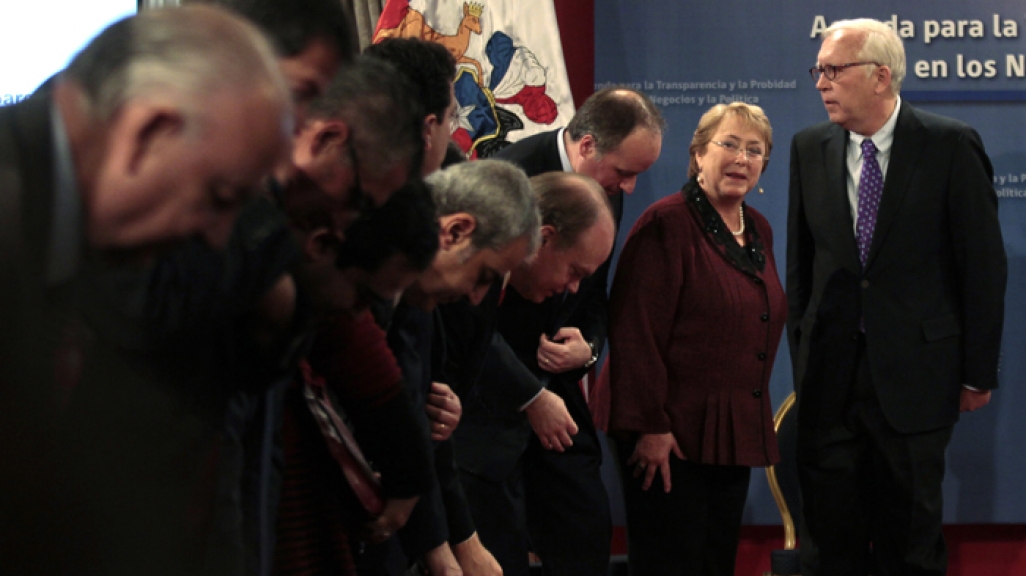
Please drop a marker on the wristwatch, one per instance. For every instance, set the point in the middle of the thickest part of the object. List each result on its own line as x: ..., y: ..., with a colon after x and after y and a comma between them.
x: 594, y: 356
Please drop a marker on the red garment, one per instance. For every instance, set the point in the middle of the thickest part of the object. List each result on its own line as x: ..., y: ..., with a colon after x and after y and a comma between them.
x: 312, y: 533
x: 693, y: 337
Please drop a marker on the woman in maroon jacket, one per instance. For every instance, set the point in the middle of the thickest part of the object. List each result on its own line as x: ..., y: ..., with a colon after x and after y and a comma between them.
x: 696, y: 314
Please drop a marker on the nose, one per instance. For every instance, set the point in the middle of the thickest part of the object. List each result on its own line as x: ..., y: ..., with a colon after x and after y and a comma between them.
x: 628, y: 185
x: 822, y: 83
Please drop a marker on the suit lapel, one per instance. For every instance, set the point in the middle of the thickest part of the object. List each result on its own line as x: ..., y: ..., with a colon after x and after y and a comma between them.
x: 838, y: 205
x: 909, y: 140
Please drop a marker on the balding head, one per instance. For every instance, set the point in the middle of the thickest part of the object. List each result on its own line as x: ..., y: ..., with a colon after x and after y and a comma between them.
x: 577, y: 235
x: 174, y: 117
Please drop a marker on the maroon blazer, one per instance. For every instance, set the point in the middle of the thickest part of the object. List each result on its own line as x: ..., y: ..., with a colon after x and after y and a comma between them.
x: 695, y: 320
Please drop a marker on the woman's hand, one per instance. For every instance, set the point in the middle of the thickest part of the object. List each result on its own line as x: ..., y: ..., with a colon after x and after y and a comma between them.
x: 652, y: 453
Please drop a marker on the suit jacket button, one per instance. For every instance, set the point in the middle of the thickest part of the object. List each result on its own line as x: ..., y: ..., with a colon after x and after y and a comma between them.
x: 762, y: 355
x: 864, y: 283
x: 756, y: 393
x: 764, y: 317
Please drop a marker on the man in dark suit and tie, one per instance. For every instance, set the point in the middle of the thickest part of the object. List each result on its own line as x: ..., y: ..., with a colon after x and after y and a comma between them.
x: 895, y: 280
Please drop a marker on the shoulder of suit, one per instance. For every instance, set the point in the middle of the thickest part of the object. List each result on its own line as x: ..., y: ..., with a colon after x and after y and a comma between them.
x: 936, y: 122
x: 817, y: 131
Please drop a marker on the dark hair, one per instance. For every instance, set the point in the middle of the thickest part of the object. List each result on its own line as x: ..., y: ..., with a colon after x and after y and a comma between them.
x: 611, y: 114
x: 453, y: 155
x: 405, y: 225
x: 293, y: 24
x: 571, y: 203
x: 381, y: 109
x: 429, y: 65
x: 306, y: 206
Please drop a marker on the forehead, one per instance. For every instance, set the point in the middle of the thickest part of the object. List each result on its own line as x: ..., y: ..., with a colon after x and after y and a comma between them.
x: 734, y: 126
x: 636, y: 153
x: 840, y: 47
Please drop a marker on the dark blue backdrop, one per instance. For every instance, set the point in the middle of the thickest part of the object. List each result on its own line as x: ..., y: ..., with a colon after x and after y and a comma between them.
x: 660, y: 46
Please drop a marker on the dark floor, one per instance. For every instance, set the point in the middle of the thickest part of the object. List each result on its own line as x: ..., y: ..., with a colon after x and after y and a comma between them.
x: 617, y: 567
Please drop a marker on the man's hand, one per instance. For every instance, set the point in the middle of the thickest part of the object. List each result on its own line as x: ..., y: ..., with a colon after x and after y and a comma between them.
x: 651, y: 454
x: 568, y: 350
x: 443, y: 410
x: 973, y: 399
x: 393, y: 517
x: 551, y: 422
x: 440, y: 562
x: 475, y: 559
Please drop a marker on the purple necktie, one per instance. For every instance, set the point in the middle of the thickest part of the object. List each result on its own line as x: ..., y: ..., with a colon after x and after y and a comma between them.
x: 870, y: 189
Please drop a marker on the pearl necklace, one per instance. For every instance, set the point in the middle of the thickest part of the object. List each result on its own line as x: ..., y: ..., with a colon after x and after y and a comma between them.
x: 741, y: 211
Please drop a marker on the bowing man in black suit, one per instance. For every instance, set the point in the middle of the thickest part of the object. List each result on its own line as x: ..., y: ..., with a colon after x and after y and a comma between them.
x: 157, y: 131
x: 509, y: 408
x: 615, y: 136
x: 895, y: 280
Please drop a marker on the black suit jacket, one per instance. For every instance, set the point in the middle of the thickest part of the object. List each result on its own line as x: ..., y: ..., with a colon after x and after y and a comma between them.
x: 493, y: 433
x: 28, y: 337
x: 931, y: 296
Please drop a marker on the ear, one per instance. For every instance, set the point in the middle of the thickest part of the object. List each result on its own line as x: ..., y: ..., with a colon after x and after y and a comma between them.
x: 319, y: 245
x: 548, y: 234
x: 883, y: 79
x: 328, y: 134
x: 430, y: 122
x: 456, y: 230
x: 587, y: 146
x: 141, y: 133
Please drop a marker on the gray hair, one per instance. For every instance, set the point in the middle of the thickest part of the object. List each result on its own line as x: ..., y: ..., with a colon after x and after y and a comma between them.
x: 179, y: 53
x: 497, y: 194
x: 880, y: 44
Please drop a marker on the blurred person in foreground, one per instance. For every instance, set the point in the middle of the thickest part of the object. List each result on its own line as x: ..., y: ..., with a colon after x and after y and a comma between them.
x: 158, y: 131
x: 696, y: 314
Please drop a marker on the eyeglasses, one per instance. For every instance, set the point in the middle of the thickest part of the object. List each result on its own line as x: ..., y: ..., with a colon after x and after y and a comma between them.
x: 832, y: 70
x: 753, y: 154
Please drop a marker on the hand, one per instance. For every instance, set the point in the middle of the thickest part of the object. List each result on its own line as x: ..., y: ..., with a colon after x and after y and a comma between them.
x: 651, y: 454
x: 440, y: 562
x: 973, y: 399
x: 444, y: 410
x: 475, y: 559
x: 551, y: 422
x: 568, y: 350
x: 393, y: 517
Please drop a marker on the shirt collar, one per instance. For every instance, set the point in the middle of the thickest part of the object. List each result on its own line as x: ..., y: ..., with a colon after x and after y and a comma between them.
x: 564, y: 158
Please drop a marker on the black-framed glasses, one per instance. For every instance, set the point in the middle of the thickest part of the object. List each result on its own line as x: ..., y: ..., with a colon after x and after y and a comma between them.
x: 832, y: 70
x: 753, y: 154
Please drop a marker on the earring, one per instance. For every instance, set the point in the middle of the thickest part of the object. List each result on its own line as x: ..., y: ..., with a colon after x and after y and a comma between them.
x: 760, y: 189
x: 701, y: 180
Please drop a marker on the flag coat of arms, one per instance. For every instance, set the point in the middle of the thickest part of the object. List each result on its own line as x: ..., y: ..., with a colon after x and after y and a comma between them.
x: 511, y: 78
